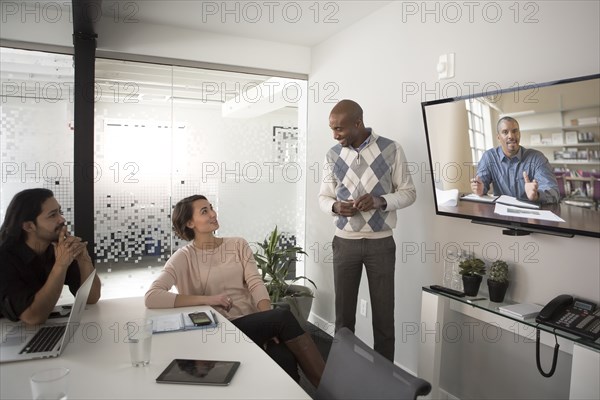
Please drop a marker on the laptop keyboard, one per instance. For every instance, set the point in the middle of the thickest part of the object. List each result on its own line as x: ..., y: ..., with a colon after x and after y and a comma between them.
x: 45, y: 339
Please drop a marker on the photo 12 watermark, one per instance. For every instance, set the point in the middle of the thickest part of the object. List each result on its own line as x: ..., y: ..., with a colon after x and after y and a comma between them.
x: 493, y: 92
x: 254, y: 12
x: 64, y: 172
x: 467, y: 332
x: 54, y: 12
x: 452, y: 12
x: 272, y: 90
x: 435, y: 252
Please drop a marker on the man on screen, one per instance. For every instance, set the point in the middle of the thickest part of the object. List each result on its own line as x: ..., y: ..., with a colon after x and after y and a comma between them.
x: 514, y: 170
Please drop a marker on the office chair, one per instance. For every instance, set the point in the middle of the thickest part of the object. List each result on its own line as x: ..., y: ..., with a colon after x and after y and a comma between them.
x: 355, y: 371
x: 563, y: 189
x: 594, y: 193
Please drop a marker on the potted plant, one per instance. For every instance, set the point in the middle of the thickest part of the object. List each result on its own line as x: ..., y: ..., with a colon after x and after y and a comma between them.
x: 471, y: 270
x: 498, y: 280
x: 274, y: 260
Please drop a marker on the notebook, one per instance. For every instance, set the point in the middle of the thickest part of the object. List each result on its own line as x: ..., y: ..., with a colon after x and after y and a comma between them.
x: 521, y: 311
x: 179, y: 322
x: 48, y: 340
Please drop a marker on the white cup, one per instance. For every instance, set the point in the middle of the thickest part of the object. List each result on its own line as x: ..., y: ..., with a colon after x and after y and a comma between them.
x: 50, y: 384
x: 139, y: 337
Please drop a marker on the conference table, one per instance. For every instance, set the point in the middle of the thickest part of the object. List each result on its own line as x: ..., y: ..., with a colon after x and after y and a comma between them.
x: 98, y: 357
x: 576, y: 219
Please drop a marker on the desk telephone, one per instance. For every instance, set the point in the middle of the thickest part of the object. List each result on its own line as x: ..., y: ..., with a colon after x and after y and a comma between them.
x: 578, y: 317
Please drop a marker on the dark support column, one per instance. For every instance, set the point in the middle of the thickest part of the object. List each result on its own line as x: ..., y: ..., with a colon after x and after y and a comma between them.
x: 85, y: 14
x: 84, y: 171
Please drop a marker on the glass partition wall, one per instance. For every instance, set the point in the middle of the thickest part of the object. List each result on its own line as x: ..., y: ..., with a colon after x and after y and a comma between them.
x: 36, y: 128
x: 166, y: 132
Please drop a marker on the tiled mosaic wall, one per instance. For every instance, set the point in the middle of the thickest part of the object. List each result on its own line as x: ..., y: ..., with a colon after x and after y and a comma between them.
x: 36, y: 150
x: 204, y: 155
x: 285, y: 144
x: 132, y: 228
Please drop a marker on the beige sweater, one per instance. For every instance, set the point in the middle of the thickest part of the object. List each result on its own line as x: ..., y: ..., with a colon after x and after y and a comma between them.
x: 230, y: 269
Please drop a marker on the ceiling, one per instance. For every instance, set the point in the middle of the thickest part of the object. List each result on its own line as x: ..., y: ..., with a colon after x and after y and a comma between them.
x: 305, y: 23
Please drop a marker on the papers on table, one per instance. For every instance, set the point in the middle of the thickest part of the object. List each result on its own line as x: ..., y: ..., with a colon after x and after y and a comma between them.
x: 511, y: 201
x: 511, y: 211
x: 509, y: 206
x: 504, y: 199
x: 179, y: 322
x: 448, y: 198
x: 521, y: 311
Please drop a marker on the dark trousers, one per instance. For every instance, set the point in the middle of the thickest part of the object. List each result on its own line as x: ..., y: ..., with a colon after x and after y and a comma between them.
x: 261, y: 327
x: 379, y: 258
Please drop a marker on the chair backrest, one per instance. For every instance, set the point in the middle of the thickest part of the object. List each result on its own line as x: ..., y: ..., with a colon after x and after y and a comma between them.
x: 562, y: 190
x: 596, y: 190
x: 355, y: 371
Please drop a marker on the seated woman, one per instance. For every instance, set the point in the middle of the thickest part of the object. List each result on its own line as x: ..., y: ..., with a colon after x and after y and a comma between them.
x: 222, y: 273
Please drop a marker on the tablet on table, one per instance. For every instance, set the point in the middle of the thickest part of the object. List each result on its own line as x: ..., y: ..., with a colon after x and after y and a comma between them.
x: 199, y: 372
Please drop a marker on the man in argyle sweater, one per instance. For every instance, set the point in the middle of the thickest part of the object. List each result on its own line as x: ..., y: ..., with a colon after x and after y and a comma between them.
x: 365, y: 181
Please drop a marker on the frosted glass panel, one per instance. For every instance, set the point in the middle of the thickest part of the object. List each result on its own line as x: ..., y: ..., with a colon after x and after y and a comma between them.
x: 164, y: 133
x: 36, y: 131
x: 243, y: 149
x: 133, y: 136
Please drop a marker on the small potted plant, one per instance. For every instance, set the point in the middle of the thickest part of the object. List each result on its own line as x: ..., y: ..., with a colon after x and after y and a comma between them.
x: 498, y: 280
x: 275, y: 260
x: 472, y: 270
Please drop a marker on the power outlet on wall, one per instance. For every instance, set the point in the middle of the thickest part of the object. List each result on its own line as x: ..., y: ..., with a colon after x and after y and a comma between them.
x: 363, y: 307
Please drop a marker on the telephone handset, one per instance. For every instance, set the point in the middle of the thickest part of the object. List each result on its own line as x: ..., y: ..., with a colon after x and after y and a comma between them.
x: 578, y: 317
x: 557, y: 304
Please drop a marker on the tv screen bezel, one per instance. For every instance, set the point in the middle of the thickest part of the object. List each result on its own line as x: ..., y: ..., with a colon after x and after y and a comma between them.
x: 514, y: 228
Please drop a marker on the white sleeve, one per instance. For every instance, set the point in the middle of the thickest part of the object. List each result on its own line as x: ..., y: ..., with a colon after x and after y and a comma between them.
x: 327, y: 195
x: 404, y: 192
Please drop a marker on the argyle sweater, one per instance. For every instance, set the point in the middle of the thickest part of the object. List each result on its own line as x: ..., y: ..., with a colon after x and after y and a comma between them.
x: 380, y: 168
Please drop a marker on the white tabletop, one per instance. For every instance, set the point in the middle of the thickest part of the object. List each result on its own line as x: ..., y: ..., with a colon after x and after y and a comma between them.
x: 100, y: 365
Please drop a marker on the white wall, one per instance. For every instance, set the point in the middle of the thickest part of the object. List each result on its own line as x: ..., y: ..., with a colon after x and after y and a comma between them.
x: 375, y: 61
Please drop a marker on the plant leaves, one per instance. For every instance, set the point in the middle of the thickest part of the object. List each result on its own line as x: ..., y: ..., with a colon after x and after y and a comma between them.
x: 275, y: 262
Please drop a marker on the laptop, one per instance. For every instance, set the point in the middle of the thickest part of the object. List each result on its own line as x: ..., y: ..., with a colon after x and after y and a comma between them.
x: 21, y: 342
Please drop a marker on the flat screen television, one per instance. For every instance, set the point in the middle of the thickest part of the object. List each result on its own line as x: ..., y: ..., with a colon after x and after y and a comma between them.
x: 559, y: 119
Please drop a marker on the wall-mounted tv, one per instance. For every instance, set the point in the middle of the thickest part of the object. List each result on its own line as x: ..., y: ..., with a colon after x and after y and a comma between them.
x: 480, y: 146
